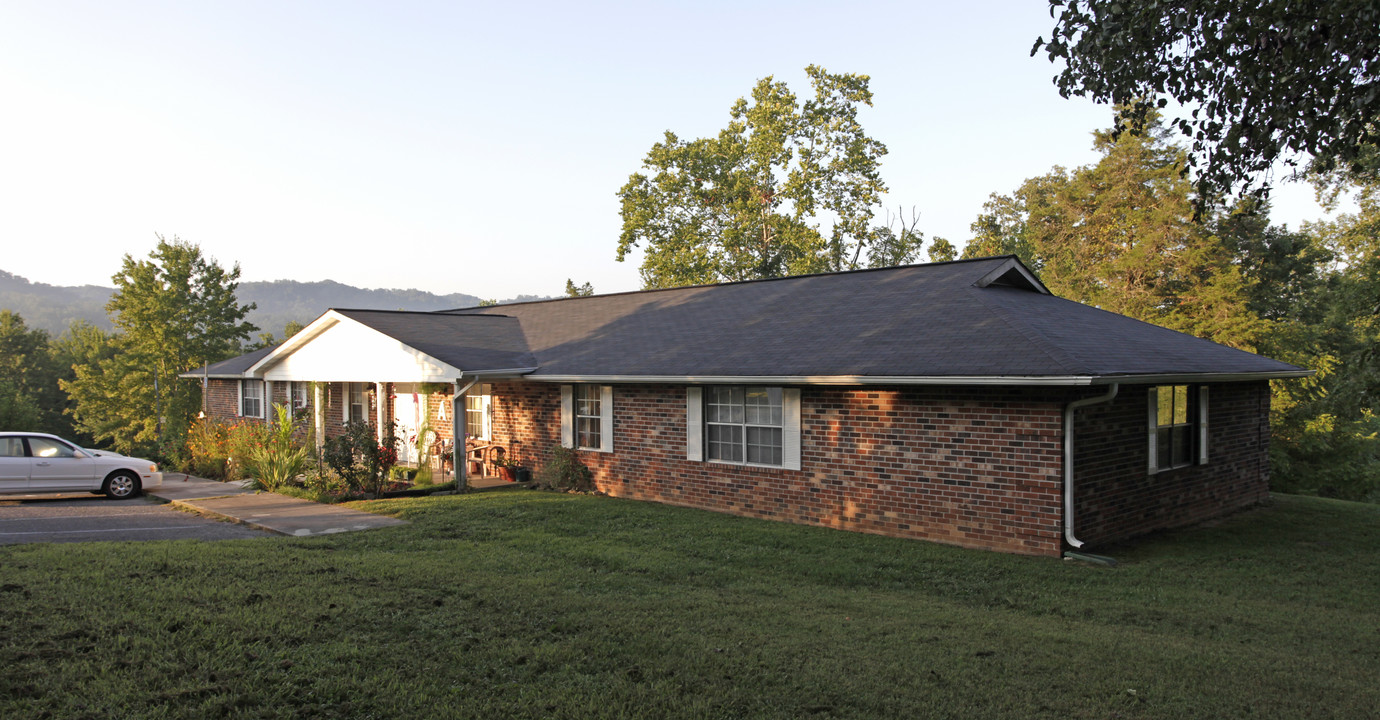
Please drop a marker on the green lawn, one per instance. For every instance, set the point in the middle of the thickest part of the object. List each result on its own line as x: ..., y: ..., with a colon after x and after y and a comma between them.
x: 521, y: 604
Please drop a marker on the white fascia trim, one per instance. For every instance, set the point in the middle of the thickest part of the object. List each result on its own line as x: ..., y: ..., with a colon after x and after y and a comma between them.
x: 1067, y: 380
x: 292, y: 344
x: 1184, y: 378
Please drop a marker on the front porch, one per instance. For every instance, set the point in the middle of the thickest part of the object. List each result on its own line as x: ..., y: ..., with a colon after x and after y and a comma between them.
x: 390, y: 373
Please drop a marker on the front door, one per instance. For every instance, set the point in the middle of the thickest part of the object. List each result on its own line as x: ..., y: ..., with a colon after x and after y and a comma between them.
x: 406, y: 417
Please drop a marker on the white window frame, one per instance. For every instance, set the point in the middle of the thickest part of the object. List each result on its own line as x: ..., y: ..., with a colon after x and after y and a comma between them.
x: 483, y: 395
x: 296, y: 389
x: 695, y: 429
x: 1197, y: 422
x: 568, y: 418
x: 245, y: 383
x: 349, y: 399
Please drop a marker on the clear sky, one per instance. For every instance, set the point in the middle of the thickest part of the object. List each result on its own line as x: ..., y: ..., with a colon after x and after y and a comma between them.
x: 472, y: 147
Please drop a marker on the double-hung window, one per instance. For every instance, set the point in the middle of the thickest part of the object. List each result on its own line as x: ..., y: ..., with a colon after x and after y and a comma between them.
x: 744, y: 424
x: 252, y: 398
x: 297, y: 396
x: 358, y: 409
x: 1178, y: 426
x: 477, y: 403
x: 587, y: 417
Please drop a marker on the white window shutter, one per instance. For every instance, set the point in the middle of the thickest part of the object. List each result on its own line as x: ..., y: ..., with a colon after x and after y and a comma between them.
x: 694, y: 424
x: 345, y: 402
x: 568, y: 416
x: 1154, y: 426
x: 267, y: 402
x: 1202, y: 425
x: 790, y: 428
x: 606, y: 418
x: 239, y: 404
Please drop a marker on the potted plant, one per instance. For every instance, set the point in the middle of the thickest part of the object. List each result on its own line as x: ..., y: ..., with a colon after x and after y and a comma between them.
x: 507, y: 468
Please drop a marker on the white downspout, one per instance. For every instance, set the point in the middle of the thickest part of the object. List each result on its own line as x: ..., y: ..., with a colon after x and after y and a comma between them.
x: 1068, y: 458
x: 459, y: 455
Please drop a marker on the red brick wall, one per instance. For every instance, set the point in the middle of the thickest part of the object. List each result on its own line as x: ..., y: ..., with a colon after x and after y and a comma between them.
x: 222, y: 399
x: 971, y: 466
x: 223, y: 402
x: 975, y: 467
x: 1116, y: 497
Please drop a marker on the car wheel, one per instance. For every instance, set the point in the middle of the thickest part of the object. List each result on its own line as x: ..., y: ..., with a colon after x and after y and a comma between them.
x: 121, y: 485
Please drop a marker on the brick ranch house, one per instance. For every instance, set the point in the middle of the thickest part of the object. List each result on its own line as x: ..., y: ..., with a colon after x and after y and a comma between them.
x: 956, y: 402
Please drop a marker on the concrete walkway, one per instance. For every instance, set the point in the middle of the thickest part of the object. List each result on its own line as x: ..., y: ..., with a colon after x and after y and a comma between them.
x: 267, y: 511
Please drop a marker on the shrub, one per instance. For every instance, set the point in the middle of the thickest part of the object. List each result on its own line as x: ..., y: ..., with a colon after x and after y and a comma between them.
x: 565, y: 472
x: 359, y: 460
x: 278, y: 457
x: 206, y: 448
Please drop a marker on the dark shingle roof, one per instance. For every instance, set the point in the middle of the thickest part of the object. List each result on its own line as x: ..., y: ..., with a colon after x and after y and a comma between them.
x: 917, y: 321
x: 467, y: 342
x: 234, y: 367
x: 968, y: 320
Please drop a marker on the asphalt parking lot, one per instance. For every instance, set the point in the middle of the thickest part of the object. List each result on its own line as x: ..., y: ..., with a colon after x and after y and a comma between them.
x: 82, y: 517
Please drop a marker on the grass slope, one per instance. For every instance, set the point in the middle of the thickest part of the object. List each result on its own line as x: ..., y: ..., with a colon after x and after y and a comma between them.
x: 542, y: 605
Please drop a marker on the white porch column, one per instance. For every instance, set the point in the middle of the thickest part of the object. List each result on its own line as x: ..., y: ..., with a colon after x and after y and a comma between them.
x: 461, y: 456
x: 318, y: 413
x: 379, y: 399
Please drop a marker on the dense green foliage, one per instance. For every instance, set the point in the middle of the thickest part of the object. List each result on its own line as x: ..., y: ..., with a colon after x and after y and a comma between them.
x: 1258, y: 80
x: 175, y: 311
x: 29, y: 395
x: 359, y: 459
x: 519, y: 604
x: 753, y: 201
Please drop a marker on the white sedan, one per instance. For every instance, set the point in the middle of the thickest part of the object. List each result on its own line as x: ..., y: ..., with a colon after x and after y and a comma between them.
x: 42, y: 463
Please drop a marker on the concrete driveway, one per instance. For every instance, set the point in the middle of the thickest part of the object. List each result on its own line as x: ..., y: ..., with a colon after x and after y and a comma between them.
x: 82, y: 517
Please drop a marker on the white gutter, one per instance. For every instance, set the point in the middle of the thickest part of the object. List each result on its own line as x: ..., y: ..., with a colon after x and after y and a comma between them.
x: 1068, y: 458
x: 821, y: 379
x: 1008, y: 380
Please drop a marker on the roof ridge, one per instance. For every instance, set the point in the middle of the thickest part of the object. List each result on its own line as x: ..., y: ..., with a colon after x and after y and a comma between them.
x: 432, y: 313
x: 702, y: 286
x: 1066, y: 361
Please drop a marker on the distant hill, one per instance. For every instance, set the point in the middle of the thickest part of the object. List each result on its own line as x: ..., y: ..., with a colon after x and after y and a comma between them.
x: 53, y: 307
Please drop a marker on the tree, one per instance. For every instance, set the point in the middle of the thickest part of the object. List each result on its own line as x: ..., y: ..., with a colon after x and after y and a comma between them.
x: 82, y: 345
x: 1260, y: 79
x: 754, y: 201
x: 175, y: 311
x: 30, y: 398
x: 1325, y: 430
x: 942, y: 250
x: 573, y: 290
x: 1121, y: 235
